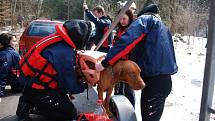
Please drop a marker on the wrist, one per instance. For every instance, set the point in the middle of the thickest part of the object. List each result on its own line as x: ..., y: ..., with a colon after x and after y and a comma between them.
x: 105, y: 63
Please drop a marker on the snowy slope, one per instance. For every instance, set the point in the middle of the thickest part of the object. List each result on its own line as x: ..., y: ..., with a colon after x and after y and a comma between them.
x: 183, y: 104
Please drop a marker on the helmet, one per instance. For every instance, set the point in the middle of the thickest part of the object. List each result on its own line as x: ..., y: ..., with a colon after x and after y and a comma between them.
x: 79, y: 31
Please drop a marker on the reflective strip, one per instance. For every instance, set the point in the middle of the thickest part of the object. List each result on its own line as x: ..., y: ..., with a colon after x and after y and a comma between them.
x: 46, y: 40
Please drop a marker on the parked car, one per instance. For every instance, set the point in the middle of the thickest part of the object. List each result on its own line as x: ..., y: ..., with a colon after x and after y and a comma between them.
x: 35, y: 31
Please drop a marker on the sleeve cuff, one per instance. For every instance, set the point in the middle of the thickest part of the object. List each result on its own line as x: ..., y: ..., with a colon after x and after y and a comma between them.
x: 105, y: 63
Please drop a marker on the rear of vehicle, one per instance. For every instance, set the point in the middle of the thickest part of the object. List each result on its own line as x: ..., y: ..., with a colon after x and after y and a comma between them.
x: 36, y: 30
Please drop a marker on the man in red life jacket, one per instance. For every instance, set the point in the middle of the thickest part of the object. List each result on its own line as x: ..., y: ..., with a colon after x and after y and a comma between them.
x: 48, y: 73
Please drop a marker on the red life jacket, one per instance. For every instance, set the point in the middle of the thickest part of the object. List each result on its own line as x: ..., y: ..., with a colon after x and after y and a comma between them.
x: 118, y: 35
x: 33, y: 64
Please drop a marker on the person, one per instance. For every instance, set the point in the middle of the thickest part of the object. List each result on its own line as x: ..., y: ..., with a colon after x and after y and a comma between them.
x: 102, y: 25
x: 149, y: 44
x: 14, y: 44
x: 48, y: 73
x: 133, y: 7
x: 123, y: 88
x: 9, y: 59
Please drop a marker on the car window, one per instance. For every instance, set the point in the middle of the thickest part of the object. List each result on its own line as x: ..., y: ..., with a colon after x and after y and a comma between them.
x: 41, y: 29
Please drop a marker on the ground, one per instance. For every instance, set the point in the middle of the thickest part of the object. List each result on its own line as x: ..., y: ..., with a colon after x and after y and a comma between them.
x: 9, y: 104
x: 183, y: 104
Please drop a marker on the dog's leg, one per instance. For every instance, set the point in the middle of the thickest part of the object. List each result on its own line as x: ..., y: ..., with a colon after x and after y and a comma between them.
x: 107, y: 101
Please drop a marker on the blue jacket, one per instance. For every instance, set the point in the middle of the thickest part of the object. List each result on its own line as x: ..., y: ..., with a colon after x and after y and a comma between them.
x: 148, y: 43
x: 63, y: 58
x: 100, y: 24
x: 9, y: 59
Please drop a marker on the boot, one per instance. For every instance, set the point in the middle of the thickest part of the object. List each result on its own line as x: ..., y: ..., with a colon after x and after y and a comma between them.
x: 34, y: 110
x: 2, y: 88
x: 23, y: 110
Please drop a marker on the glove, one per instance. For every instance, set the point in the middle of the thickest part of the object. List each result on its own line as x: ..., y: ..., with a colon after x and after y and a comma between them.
x: 99, y: 67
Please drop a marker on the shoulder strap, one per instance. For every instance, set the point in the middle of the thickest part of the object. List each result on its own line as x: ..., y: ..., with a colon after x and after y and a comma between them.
x: 62, y: 32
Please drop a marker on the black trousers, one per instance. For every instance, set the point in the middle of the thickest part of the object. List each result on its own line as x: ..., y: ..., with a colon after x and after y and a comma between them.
x: 124, y: 89
x: 153, y: 96
x: 50, y: 104
x: 12, y: 80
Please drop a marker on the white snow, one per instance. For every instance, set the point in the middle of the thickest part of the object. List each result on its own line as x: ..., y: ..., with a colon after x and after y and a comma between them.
x: 183, y: 104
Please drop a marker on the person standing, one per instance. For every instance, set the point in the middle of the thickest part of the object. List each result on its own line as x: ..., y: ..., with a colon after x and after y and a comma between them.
x: 123, y: 88
x: 149, y: 44
x: 102, y: 24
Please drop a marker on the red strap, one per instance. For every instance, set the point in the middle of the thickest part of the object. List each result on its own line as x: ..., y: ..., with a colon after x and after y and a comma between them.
x: 62, y: 31
x: 118, y: 34
x: 37, y: 86
x: 53, y: 85
x: 126, y: 50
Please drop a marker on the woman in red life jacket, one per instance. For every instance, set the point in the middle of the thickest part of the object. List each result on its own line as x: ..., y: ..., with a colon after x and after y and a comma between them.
x: 123, y: 88
x: 123, y: 24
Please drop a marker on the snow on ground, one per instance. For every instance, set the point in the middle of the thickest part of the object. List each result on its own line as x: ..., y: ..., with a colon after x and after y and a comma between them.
x: 183, y: 104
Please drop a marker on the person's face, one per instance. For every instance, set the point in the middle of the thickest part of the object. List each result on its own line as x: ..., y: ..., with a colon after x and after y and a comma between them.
x: 13, y: 42
x: 124, y: 21
x: 97, y: 14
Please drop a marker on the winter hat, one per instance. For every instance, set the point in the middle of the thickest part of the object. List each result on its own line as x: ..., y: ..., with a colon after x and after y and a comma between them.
x: 5, y: 39
x: 152, y: 8
x: 79, y: 31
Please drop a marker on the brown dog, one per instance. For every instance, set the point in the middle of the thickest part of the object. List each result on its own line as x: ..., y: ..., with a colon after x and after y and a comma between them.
x: 125, y: 71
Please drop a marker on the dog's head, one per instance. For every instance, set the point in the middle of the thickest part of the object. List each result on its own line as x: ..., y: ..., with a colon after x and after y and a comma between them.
x: 131, y: 75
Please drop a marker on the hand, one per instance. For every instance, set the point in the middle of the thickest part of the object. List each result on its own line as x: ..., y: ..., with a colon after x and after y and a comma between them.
x: 85, y: 6
x: 99, y: 67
